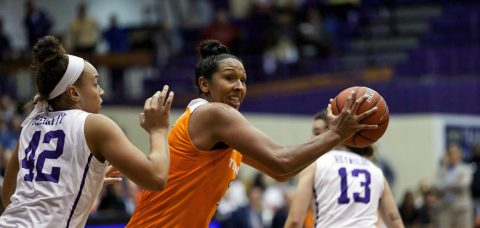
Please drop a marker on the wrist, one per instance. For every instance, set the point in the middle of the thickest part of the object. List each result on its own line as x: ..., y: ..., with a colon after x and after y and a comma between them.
x: 336, y: 133
x: 159, y: 131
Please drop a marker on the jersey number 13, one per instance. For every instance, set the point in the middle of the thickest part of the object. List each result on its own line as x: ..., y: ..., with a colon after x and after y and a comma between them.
x: 357, y: 196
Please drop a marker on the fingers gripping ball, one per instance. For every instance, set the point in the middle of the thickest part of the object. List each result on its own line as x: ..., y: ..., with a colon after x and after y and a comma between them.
x: 364, y: 138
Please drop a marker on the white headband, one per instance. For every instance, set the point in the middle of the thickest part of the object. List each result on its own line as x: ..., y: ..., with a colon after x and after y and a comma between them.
x: 73, y: 72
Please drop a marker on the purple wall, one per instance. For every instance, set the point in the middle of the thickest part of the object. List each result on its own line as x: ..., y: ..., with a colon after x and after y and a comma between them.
x: 428, y: 96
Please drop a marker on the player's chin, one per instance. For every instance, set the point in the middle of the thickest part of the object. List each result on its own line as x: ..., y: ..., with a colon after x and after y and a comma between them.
x: 235, y: 104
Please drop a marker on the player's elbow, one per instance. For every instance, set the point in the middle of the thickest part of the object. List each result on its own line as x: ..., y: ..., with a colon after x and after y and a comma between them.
x: 5, y: 201
x: 293, y: 223
x: 283, y: 167
x: 280, y: 178
x: 158, y: 183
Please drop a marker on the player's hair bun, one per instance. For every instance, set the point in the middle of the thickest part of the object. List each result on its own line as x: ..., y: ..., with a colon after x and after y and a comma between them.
x: 48, y: 50
x: 211, y: 48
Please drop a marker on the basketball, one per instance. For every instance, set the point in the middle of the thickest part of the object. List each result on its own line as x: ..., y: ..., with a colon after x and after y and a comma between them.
x: 364, y: 138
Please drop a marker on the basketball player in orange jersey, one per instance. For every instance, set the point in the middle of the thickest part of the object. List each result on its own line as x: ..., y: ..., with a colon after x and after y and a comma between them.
x: 208, y: 142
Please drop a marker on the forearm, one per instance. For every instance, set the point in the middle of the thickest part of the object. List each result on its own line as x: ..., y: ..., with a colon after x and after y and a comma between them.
x: 296, y: 158
x: 160, y: 153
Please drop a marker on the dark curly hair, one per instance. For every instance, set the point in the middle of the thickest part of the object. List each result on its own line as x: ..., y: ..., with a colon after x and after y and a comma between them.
x: 49, y: 64
x: 362, y: 151
x: 210, y: 53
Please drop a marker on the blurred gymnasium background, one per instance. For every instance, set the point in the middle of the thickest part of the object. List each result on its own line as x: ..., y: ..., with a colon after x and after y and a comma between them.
x: 421, y: 55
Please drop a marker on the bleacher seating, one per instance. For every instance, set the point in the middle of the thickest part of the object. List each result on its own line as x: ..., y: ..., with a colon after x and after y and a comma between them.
x: 451, y: 46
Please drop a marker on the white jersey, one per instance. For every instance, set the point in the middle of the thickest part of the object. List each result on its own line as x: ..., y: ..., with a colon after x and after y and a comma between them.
x: 59, y: 178
x: 347, y: 189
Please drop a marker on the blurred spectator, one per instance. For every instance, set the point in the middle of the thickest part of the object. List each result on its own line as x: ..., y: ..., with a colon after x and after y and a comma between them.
x: 37, y: 23
x: 332, y: 26
x: 250, y: 215
x: 475, y: 186
x: 8, y: 128
x: 116, y: 38
x: 280, y: 216
x: 423, y: 188
x: 258, y: 31
x: 8, y: 142
x: 111, y: 199
x: 5, y: 52
x: 386, y: 168
x: 341, y: 8
x: 222, y: 29
x: 168, y: 44
x: 7, y: 107
x: 312, y: 39
x: 132, y: 195
x: 273, y: 199
x: 453, y: 182
x: 239, y: 9
x: 234, y: 198
x: 389, y: 9
x: 200, y: 13
x: 83, y: 32
x: 5, y: 47
x: 281, y: 56
x: 259, y: 181
x: 408, y: 210
x: 429, y: 210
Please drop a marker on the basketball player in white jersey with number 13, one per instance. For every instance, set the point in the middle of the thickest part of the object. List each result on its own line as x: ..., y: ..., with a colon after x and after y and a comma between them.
x: 348, y: 190
x: 61, y: 160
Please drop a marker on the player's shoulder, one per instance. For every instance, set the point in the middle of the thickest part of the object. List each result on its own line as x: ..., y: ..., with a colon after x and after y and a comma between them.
x: 216, y: 107
x: 99, y: 122
x: 98, y: 118
x: 217, y: 111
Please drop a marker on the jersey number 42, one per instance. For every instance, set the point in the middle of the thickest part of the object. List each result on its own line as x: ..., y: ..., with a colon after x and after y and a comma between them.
x: 31, y: 165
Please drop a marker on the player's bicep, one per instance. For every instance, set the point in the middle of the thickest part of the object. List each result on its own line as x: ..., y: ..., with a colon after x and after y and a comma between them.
x: 235, y: 131
x: 112, y: 144
x: 10, y: 180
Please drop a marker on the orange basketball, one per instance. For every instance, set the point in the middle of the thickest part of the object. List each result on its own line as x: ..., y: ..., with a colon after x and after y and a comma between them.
x: 364, y: 138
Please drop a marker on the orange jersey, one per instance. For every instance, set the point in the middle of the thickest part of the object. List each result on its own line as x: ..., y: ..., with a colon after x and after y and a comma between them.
x: 196, y: 182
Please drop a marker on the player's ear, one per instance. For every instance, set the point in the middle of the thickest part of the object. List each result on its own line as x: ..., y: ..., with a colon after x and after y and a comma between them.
x: 203, y: 84
x: 73, y: 93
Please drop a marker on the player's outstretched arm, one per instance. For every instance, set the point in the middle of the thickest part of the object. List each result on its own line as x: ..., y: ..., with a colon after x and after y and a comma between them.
x: 388, y: 208
x: 301, y: 199
x: 225, y: 124
x: 10, y: 180
x: 106, y: 140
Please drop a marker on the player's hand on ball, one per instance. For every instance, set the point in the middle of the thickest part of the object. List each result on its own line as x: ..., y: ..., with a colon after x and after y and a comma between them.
x: 363, y: 122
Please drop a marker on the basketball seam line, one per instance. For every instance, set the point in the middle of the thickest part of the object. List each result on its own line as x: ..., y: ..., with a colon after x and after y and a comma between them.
x: 384, y: 111
x: 336, y: 104
x: 376, y: 102
x: 360, y: 133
